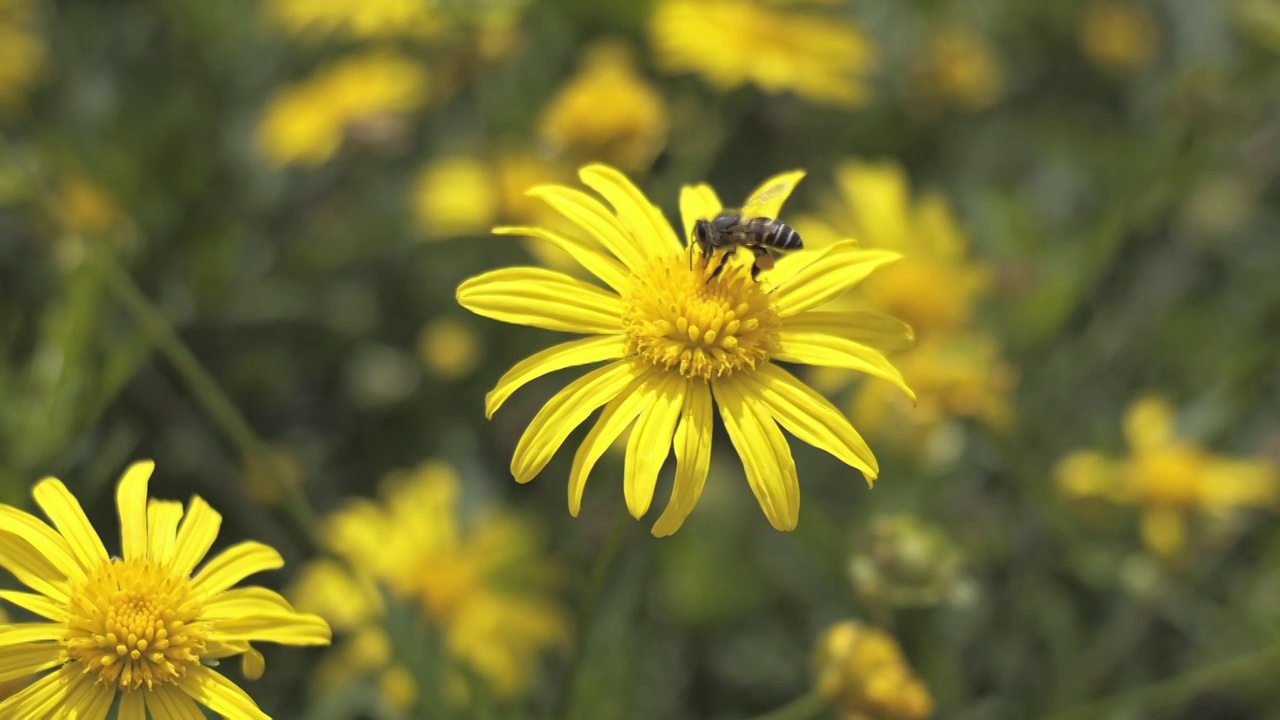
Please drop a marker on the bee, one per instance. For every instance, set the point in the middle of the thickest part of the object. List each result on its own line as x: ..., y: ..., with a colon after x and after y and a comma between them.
x: 752, y: 227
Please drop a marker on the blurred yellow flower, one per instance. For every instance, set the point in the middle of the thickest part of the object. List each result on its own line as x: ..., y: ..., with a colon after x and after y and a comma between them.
x: 678, y: 341
x: 961, y: 68
x: 862, y: 672
x: 821, y: 57
x: 21, y: 52
x: 357, y: 18
x: 455, y: 196
x: 306, y: 123
x: 1119, y: 35
x: 85, y: 208
x: 608, y: 112
x: 449, y: 348
x: 1169, y: 477
x: 482, y: 584
x: 139, y: 626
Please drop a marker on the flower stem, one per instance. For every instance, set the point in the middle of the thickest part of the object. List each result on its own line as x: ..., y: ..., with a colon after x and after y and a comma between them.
x: 802, y: 708
x: 207, y: 391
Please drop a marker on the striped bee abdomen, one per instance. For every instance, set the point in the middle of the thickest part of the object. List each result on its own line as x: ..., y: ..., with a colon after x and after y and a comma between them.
x: 782, y: 236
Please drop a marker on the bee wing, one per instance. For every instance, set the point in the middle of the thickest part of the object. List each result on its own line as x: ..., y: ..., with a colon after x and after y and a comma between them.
x: 767, y: 199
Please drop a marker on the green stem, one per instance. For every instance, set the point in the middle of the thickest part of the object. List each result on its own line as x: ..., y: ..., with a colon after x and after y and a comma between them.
x: 1177, y: 689
x: 802, y: 708
x: 207, y: 391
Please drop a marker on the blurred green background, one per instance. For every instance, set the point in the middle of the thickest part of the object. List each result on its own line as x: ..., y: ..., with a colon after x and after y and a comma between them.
x: 230, y: 234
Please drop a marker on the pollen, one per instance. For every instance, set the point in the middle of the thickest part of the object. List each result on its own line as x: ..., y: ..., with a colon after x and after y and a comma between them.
x: 135, y: 623
x: 682, y: 319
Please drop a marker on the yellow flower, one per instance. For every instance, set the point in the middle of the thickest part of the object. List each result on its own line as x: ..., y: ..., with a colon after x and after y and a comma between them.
x: 961, y: 68
x: 140, y: 626
x: 449, y: 348
x: 674, y: 338
x: 358, y: 18
x: 861, y: 671
x: 307, y: 122
x: 483, y: 585
x: 455, y: 196
x: 607, y: 112
x: 85, y: 208
x: 1168, y: 477
x: 820, y: 57
x: 21, y: 52
x: 1118, y: 35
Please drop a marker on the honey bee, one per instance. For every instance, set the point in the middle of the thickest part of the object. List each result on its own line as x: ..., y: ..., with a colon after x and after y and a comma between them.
x: 752, y: 227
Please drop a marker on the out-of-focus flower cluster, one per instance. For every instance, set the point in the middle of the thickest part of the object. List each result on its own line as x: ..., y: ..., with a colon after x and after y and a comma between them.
x: 901, y: 561
x: 21, y: 51
x: 862, y: 672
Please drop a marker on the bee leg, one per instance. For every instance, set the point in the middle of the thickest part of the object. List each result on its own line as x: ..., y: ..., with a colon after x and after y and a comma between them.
x: 724, y: 260
x: 764, y: 261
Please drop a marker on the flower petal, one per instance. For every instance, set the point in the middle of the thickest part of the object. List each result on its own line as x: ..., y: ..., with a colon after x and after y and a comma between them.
x: 693, y: 457
x: 37, y: 604
x: 828, y: 276
x: 196, y: 534
x: 767, y: 199
x: 171, y: 703
x: 557, y: 357
x: 697, y: 202
x: 565, y: 411
x: 211, y: 689
x: 131, y: 503
x: 597, y: 263
x: 235, y: 564
x: 828, y: 351
x: 64, y: 511
x: 861, y: 326
x: 40, y: 697
x: 162, y: 525
x: 766, y: 457
x: 595, y: 219
x: 245, y: 601
x: 810, y: 417
x: 133, y: 706
x: 542, y: 298
x: 43, y: 538
x: 617, y: 415
x: 32, y: 568
x: 1148, y: 423
x: 649, y: 227
x: 650, y: 443
x: 277, y: 627
x: 93, y: 702
x: 22, y: 633
x: 25, y: 661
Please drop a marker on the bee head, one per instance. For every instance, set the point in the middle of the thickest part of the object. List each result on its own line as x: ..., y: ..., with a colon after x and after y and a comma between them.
x: 702, y: 234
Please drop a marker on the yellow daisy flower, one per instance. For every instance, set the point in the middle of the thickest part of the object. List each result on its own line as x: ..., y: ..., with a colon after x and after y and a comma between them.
x: 142, y: 626
x: 819, y: 57
x: 677, y: 341
x: 862, y: 672
x: 1168, y: 476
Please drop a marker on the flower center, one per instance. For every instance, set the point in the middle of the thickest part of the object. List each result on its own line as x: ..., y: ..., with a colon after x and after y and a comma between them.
x: 680, y: 318
x: 134, y: 622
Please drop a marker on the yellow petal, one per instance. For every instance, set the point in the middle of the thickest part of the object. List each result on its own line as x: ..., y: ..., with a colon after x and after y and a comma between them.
x: 617, y: 415
x: 252, y: 664
x: 595, y: 219
x: 196, y: 535
x: 1230, y: 484
x: 650, y: 443
x: 43, y: 538
x: 235, y: 564
x: 557, y: 357
x: 38, y: 699
x: 766, y: 458
x: 171, y: 703
x: 20, y: 662
x: 810, y: 417
x: 693, y: 457
x: 542, y: 298
x: 32, y: 568
x: 1149, y: 423
x: 827, y: 351
x: 131, y: 503
x: 648, y: 225
x: 276, y: 627
x: 132, y: 706
x: 878, y: 194
x: 767, y: 199
x: 37, y: 604
x: 162, y: 526
x: 92, y: 703
x: 1089, y: 474
x: 65, y: 513
x: 245, y: 601
x: 697, y: 202
x: 861, y: 326
x: 565, y: 411
x: 1164, y: 531
x: 211, y: 689
x: 830, y: 274
x: 596, y: 262
x: 22, y: 633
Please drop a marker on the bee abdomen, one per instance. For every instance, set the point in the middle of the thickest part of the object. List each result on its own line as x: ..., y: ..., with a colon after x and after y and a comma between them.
x: 783, y: 237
